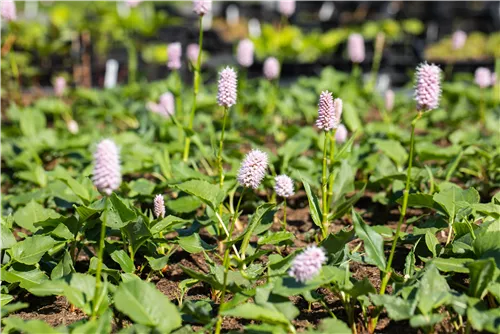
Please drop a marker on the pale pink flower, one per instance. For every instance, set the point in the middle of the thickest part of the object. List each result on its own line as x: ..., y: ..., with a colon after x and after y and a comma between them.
x: 389, y: 100
x: 8, y: 10
x: 202, y: 7
x: 244, y: 53
x: 327, y: 110
x: 482, y: 77
x: 133, y: 3
x: 271, y: 68
x: 72, y: 126
x: 107, y: 176
x: 192, y: 52
x: 227, y: 92
x: 458, y: 39
x: 308, y: 264
x: 59, y: 86
x: 174, y: 51
x: 356, y: 48
x: 159, y: 206
x: 287, y: 7
x: 341, y: 134
x: 284, y: 186
x: 253, y: 169
x: 428, y: 87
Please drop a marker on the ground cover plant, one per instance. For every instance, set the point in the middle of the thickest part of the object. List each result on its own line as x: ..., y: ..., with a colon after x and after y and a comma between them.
x: 237, y: 204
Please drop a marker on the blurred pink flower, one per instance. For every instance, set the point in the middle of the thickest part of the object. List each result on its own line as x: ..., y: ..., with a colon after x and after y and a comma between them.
x: 341, y: 134
x: 201, y: 7
x: 284, y: 186
x: 389, y: 100
x: 174, y: 51
x: 458, y: 39
x: 271, y: 68
x: 227, y: 90
x: 287, y: 7
x: 133, y: 3
x: 60, y: 86
x: 308, y: 264
x: 8, y: 10
x: 244, y: 53
x: 482, y: 77
x: 356, y: 48
x: 192, y: 52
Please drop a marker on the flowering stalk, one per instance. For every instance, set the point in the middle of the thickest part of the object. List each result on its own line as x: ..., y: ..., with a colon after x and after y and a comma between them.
x: 132, y: 60
x: 377, y: 57
x: 324, y: 185
x: 332, y: 162
x: 196, y: 87
x: 219, y: 155
x: 284, y: 188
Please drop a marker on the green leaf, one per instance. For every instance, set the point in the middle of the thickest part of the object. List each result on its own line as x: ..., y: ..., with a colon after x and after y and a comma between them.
x: 351, y: 117
x: 258, y: 313
x: 5, y: 299
x: 85, y: 212
x: 334, y: 245
x: 77, y: 188
x: 453, y: 198
x: 146, y: 305
x: 433, y: 290
x: 397, y: 308
x: 481, y: 274
x: 167, y: 224
x: 341, y: 208
x: 117, y: 213
x: 141, y: 187
x: 101, y: 325
x: 420, y: 201
x: 344, y: 181
x: 373, y: 242
x: 63, y: 268
x: 256, y: 219
x: 210, y: 194
x: 456, y: 265
x: 275, y: 238
x: 483, y: 319
x: 32, y: 213
x: 138, y: 233
x: 393, y: 149
x: 486, y: 243
x: 49, y: 288
x: 193, y: 244
x: 29, y: 326
x: 314, y: 206
x: 8, y: 239
x: 426, y: 320
x: 184, y: 204
x: 10, y: 308
x: 490, y: 209
x: 26, y: 279
x: 122, y: 258
x: 336, y: 326
x: 31, y: 250
x: 432, y: 243
x: 159, y: 263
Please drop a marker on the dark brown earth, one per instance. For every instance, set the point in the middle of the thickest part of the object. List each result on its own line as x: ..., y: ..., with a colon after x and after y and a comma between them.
x: 57, y: 311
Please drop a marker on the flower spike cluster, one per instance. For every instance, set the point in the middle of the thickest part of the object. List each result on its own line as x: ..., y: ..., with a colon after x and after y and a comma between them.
x: 59, y: 86
x: 253, y: 169
x: 202, y: 7
x: 271, y: 68
x: 284, y: 186
x: 428, y: 87
x: 159, y: 206
x: 308, y: 264
x: 192, y: 52
x: 287, y: 7
x: 483, y: 77
x: 329, y: 112
x: 228, y: 88
x: 244, y: 53
x: 389, y: 100
x: 107, y: 176
x: 356, y: 48
x: 341, y: 134
x: 165, y: 108
x: 458, y: 39
x: 8, y: 10
x: 174, y: 51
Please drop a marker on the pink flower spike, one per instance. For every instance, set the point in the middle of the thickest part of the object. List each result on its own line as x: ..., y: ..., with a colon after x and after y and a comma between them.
x: 337, y: 107
x: 389, y: 100
x: 428, y: 87
x: 482, y: 77
x: 133, y: 3
x: 458, y: 39
x: 202, y: 7
x: 308, y: 264
x: 107, y: 176
x: 159, y: 206
x: 271, y: 68
x: 244, y: 53
x: 59, y: 86
x: 8, y: 10
x: 192, y: 52
x: 287, y: 7
x: 167, y: 103
x: 284, y: 186
x: 227, y: 92
x: 174, y: 51
x: 356, y: 48
x: 326, y: 112
x: 253, y: 169
x: 341, y: 134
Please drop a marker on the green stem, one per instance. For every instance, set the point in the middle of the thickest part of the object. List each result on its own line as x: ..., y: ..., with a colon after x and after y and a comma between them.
x: 99, y: 261
x: 178, y: 95
x: 388, y: 268
x: 196, y: 84
x: 332, y: 161
x: 284, y: 214
x: 377, y: 57
x: 324, y: 186
x: 132, y: 60
x: 221, y: 146
x: 482, y: 115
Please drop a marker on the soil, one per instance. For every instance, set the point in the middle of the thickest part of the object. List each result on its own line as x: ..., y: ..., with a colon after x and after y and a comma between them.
x: 57, y: 311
